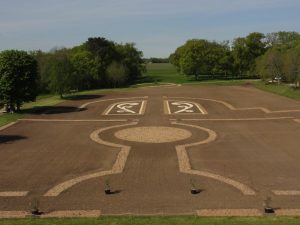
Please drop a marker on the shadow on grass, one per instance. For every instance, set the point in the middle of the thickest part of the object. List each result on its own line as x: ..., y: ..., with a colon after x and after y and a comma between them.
x: 82, y: 97
x: 147, y: 79
x: 38, y: 110
x: 8, y: 139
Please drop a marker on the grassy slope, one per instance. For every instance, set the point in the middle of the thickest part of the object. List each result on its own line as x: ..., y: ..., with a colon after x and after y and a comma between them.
x: 48, y: 100
x: 283, y: 90
x: 163, y: 73
x: 183, y: 220
x: 40, y: 102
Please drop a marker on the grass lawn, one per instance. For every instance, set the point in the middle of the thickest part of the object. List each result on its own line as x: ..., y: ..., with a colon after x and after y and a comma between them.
x: 41, y: 101
x: 280, y: 89
x: 178, y: 220
x: 163, y: 73
x: 49, y: 100
x: 167, y: 73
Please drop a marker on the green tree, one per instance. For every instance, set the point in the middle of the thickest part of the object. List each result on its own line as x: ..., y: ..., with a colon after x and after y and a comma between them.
x: 117, y: 74
x: 282, y: 37
x: 104, y: 53
x: 18, y: 78
x: 270, y: 65
x: 132, y: 59
x: 246, y: 50
x: 42, y: 59
x: 292, y: 65
x: 175, y: 57
x: 201, y: 57
x: 60, y: 73
x: 85, y: 68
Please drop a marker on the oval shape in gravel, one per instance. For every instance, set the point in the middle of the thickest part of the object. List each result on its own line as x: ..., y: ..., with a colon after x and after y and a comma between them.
x: 153, y: 134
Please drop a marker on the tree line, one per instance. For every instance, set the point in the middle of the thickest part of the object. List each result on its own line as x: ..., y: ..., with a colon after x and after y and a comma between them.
x: 97, y: 63
x: 256, y: 55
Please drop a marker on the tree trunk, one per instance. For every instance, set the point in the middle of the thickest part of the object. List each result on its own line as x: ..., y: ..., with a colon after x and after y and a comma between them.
x: 18, y: 107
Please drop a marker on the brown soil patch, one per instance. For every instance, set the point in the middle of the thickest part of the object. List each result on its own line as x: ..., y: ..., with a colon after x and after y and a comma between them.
x: 153, y: 134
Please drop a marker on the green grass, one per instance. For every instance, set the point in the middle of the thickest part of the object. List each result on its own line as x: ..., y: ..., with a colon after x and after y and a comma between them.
x: 163, y: 73
x: 166, y: 73
x: 178, y: 220
x: 50, y: 100
x: 280, y: 89
x: 29, y: 107
x: 159, y: 73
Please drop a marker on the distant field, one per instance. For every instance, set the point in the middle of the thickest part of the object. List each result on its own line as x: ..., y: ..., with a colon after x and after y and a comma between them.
x: 167, y: 73
x: 163, y: 73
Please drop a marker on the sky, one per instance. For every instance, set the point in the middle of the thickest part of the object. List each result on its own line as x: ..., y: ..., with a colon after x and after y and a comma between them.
x: 157, y: 27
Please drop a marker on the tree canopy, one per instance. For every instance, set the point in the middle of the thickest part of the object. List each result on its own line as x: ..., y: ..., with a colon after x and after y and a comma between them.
x: 86, y: 66
x: 18, y: 78
x: 269, y: 56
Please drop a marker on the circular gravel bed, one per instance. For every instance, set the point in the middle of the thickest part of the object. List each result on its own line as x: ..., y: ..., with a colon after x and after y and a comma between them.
x: 153, y: 134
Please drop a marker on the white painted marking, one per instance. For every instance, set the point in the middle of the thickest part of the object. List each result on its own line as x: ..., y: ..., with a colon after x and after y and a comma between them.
x: 13, y: 193
x: 168, y: 107
x: 126, y: 107
x: 105, y: 100
x: 142, y: 108
x: 184, y: 107
x: 109, y: 109
x: 286, y: 192
x: 231, y: 107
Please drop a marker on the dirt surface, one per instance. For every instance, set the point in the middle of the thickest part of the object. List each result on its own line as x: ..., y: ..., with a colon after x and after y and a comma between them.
x: 257, y: 144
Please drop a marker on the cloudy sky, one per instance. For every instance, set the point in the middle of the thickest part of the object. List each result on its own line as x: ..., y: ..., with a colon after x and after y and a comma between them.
x: 157, y: 27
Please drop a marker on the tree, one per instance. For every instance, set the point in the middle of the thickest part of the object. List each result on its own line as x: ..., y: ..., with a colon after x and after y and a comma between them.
x: 281, y: 37
x: 270, y: 65
x: 201, y: 57
x: 104, y: 53
x: 175, y: 57
x: 117, y: 74
x: 85, y: 68
x: 246, y: 50
x: 132, y: 59
x: 60, y: 73
x: 18, y: 78
x: 292, y: 65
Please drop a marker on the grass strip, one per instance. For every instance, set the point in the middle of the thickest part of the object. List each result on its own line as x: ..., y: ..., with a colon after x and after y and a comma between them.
x: 155, y: 220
